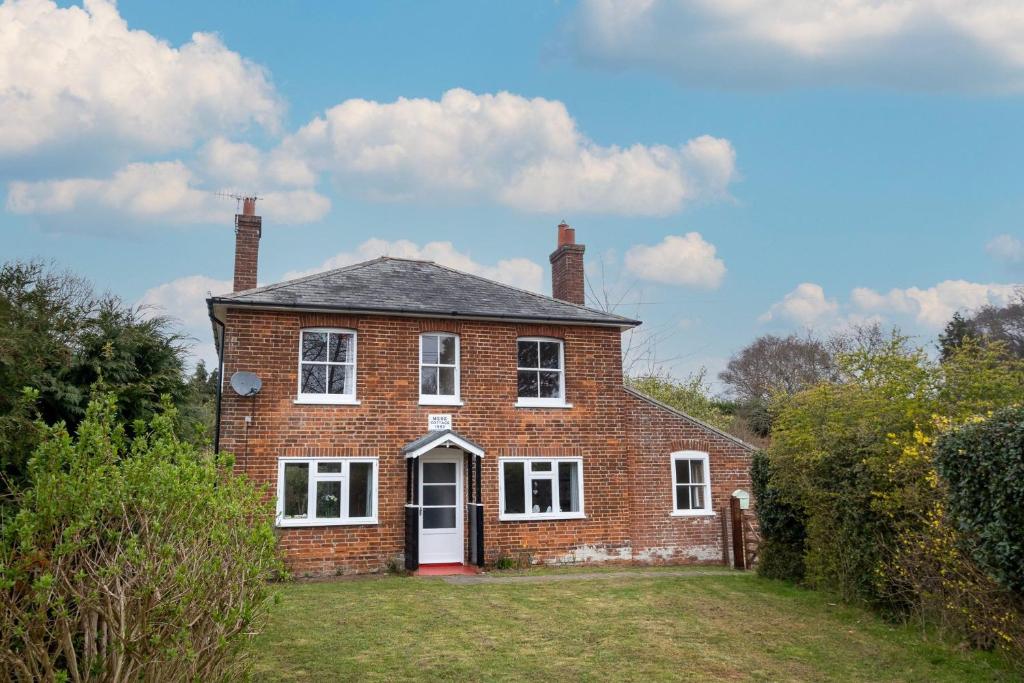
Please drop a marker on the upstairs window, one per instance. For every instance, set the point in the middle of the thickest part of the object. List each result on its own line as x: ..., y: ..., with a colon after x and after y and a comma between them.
x: 327, y: 366
x: 691, y: 483
x: 439, y: 369
x: 540, y: 372
x: 541, y: 488
x: 326, y: 491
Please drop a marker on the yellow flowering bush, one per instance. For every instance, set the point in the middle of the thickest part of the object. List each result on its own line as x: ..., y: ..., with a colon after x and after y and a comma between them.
x: 857, y: 457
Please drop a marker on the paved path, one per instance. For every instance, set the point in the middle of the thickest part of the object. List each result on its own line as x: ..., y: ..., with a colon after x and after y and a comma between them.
x: 586, y: 576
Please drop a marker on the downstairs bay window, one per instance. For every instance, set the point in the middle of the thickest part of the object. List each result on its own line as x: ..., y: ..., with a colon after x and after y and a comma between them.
x: 326, y: 491
x: 541, y: 488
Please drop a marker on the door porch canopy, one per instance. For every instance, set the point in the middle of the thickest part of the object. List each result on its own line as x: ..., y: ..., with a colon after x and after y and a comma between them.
x: 445, y: 438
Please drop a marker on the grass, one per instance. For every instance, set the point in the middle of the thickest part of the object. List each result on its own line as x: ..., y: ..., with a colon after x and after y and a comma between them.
x: 689, y: 627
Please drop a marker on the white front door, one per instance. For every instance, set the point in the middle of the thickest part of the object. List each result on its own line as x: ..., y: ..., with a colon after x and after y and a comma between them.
x: 441, y: 515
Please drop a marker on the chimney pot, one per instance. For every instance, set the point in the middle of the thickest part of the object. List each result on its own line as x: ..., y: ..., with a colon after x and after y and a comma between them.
x: 248, y: 206
x: 566, y: 235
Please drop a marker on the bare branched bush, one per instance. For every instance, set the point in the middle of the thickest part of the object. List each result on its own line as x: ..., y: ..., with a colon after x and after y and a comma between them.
x: 125, y: 562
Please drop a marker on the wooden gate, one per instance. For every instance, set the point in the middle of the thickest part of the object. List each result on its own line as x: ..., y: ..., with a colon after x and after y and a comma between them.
x: 745, y: 536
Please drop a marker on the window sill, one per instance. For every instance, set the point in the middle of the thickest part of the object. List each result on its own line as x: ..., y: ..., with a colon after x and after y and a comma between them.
x: 440, y: 401
x: 327, y: 400
x: 541, y: 403
x: 694, y: 513
x: 289, y: 523
x: 541, y: 517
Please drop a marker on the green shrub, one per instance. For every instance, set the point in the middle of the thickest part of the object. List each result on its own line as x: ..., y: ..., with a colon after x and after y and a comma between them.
x: 781, y: 551
x: 857, y: 455
x: 982, y: 465
x: 690, y: 395
x: 131, y: 561
x: 505, y: 562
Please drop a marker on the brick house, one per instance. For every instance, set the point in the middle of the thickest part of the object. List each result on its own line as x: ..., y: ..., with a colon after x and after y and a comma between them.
x: 412, y: 412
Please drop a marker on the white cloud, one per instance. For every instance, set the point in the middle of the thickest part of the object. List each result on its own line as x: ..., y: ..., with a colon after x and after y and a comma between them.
x: 934, y: 306
x: 677, y: 260
x: 249, y: 168
x: 806, y: 305
x: 1006, y: 249
x: 518, y: 272
x: 80, y: 75
x: 930, y: 45
x: 926, y: 309
x: 166, y: 191
x: 184, y: 300
x: 524, y: 153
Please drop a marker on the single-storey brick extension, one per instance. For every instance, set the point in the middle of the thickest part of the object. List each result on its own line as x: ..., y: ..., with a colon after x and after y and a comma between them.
x: 410, y: 412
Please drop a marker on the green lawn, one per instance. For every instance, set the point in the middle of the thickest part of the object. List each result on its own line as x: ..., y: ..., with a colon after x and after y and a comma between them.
x: 692, y: 627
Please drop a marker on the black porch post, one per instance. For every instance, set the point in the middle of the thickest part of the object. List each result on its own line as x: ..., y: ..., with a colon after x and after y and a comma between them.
x: 479, y: 511
x: 412, y: 516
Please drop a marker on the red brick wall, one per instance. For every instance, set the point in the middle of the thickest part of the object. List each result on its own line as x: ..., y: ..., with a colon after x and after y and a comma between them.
x: 655, y: 433
x: 596, y: 428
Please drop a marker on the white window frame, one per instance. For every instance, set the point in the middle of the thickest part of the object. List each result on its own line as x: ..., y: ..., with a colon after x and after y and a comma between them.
x: 687, y: 456
x: 528, y: 477
x: 538, y: 402
x: 441, y: 399
x: 314, y: 477
x: 330, y: 399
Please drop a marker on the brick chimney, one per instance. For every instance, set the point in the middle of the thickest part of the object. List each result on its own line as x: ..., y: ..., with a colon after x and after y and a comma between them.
x: 567, y: 267
x: 248, y: 228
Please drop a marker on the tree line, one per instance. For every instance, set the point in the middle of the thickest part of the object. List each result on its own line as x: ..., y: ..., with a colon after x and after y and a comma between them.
x: 774, y: 366
x: 61, y: 340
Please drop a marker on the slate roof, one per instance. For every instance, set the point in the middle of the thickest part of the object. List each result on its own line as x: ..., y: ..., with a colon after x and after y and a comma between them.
x: 394, y: 285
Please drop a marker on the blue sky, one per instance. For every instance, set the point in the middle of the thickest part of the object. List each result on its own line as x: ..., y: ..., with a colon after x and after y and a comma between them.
x: 738, y: 167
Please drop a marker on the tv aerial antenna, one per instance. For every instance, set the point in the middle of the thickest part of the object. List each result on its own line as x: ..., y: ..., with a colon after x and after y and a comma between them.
x: 239, y: 198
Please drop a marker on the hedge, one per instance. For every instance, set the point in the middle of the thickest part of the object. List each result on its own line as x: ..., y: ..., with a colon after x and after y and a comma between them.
x: 983, y: 466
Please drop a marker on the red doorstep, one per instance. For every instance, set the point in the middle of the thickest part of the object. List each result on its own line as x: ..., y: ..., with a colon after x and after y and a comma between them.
x: 448, y: 569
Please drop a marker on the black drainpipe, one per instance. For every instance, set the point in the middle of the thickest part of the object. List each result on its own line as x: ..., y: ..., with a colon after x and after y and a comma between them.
x: 220, y: 379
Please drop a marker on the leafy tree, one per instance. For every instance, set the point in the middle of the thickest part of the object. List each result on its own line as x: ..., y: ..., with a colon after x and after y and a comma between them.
x: 131, y: 559
x: 59, y: 339
x: 957, y: 330
x: 198, y: 411
x: 1003, y: 324
x: 138, y: 358
x: 42, y: 314
x: 690, y: 395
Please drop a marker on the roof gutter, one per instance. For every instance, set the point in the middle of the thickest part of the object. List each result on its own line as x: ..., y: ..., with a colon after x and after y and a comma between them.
x: 625, y: 323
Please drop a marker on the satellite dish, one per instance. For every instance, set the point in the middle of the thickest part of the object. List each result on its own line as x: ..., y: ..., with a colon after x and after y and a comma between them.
x: 246, y: 383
